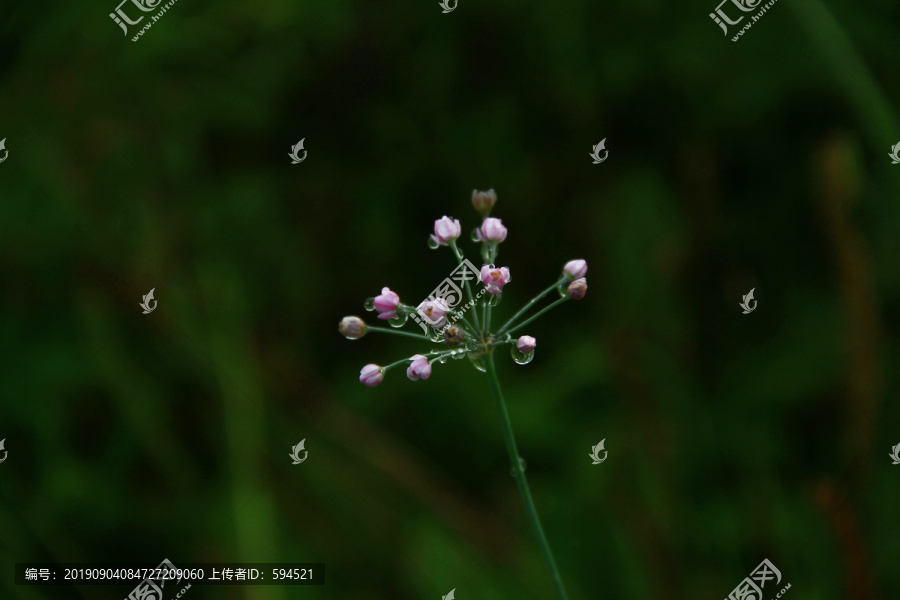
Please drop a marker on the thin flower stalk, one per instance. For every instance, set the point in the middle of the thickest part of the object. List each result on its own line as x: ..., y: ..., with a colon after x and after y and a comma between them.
x: 417, y: 336
x: 521, y: 482
x: 459, y: 257
x: 538, y: 314
x: 531, y: 303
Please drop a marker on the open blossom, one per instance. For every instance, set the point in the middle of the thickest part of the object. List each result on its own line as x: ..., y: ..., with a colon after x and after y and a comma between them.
x: 446, y: 230
x: 492, y: 230
x: 454, y: 336
x: 371, y: 375
x: 420, y: 368
x: 526, y: 344
x: 434, y: 311
x: 577, y: 289
x: 494, y: 279
x: 575, y: 269
x: 386, y: 304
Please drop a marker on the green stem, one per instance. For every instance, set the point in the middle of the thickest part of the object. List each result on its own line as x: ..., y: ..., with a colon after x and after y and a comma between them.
x: 397, y: 332
x: 519, y: 472
x: 504, y: 343
x: 392, y: 365
x: 441, y: 355
x: 459, y: 257
x: 529, y: 305
x: 432, y: 356
x: 539, y: 313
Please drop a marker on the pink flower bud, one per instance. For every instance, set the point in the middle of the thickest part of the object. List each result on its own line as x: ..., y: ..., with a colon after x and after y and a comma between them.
x: 386, y: 304
x: 446, y: 230
x: 492, y: 230
x: 420, y: 368
x: 526, y: 344
x: 577, y: 289
x: 371, y: 375
x: 434, y: 311
x: 494, y: 279
x: 575, y: 269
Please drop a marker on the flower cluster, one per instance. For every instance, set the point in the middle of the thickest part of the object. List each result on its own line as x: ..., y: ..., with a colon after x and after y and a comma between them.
x: 462, y: 332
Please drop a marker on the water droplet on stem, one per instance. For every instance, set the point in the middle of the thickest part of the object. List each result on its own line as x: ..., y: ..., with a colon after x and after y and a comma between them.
x: 522, y: 463
x: 520, y: 357
x: 398, y: 320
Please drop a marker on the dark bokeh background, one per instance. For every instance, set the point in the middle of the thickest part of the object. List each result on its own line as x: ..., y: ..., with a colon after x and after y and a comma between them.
x: 732, y: 438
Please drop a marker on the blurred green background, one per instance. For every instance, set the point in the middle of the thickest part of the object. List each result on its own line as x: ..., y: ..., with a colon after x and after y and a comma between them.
x: 732, y: 438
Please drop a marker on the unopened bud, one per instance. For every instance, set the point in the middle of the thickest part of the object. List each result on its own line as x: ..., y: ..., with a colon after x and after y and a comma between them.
x: 577, y: 289
x: 371, y: 375
x: 484, y: 201
x: 575, y: 269
x: 526, y: 344
x: 352, y: 328
x: 454, y: 336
